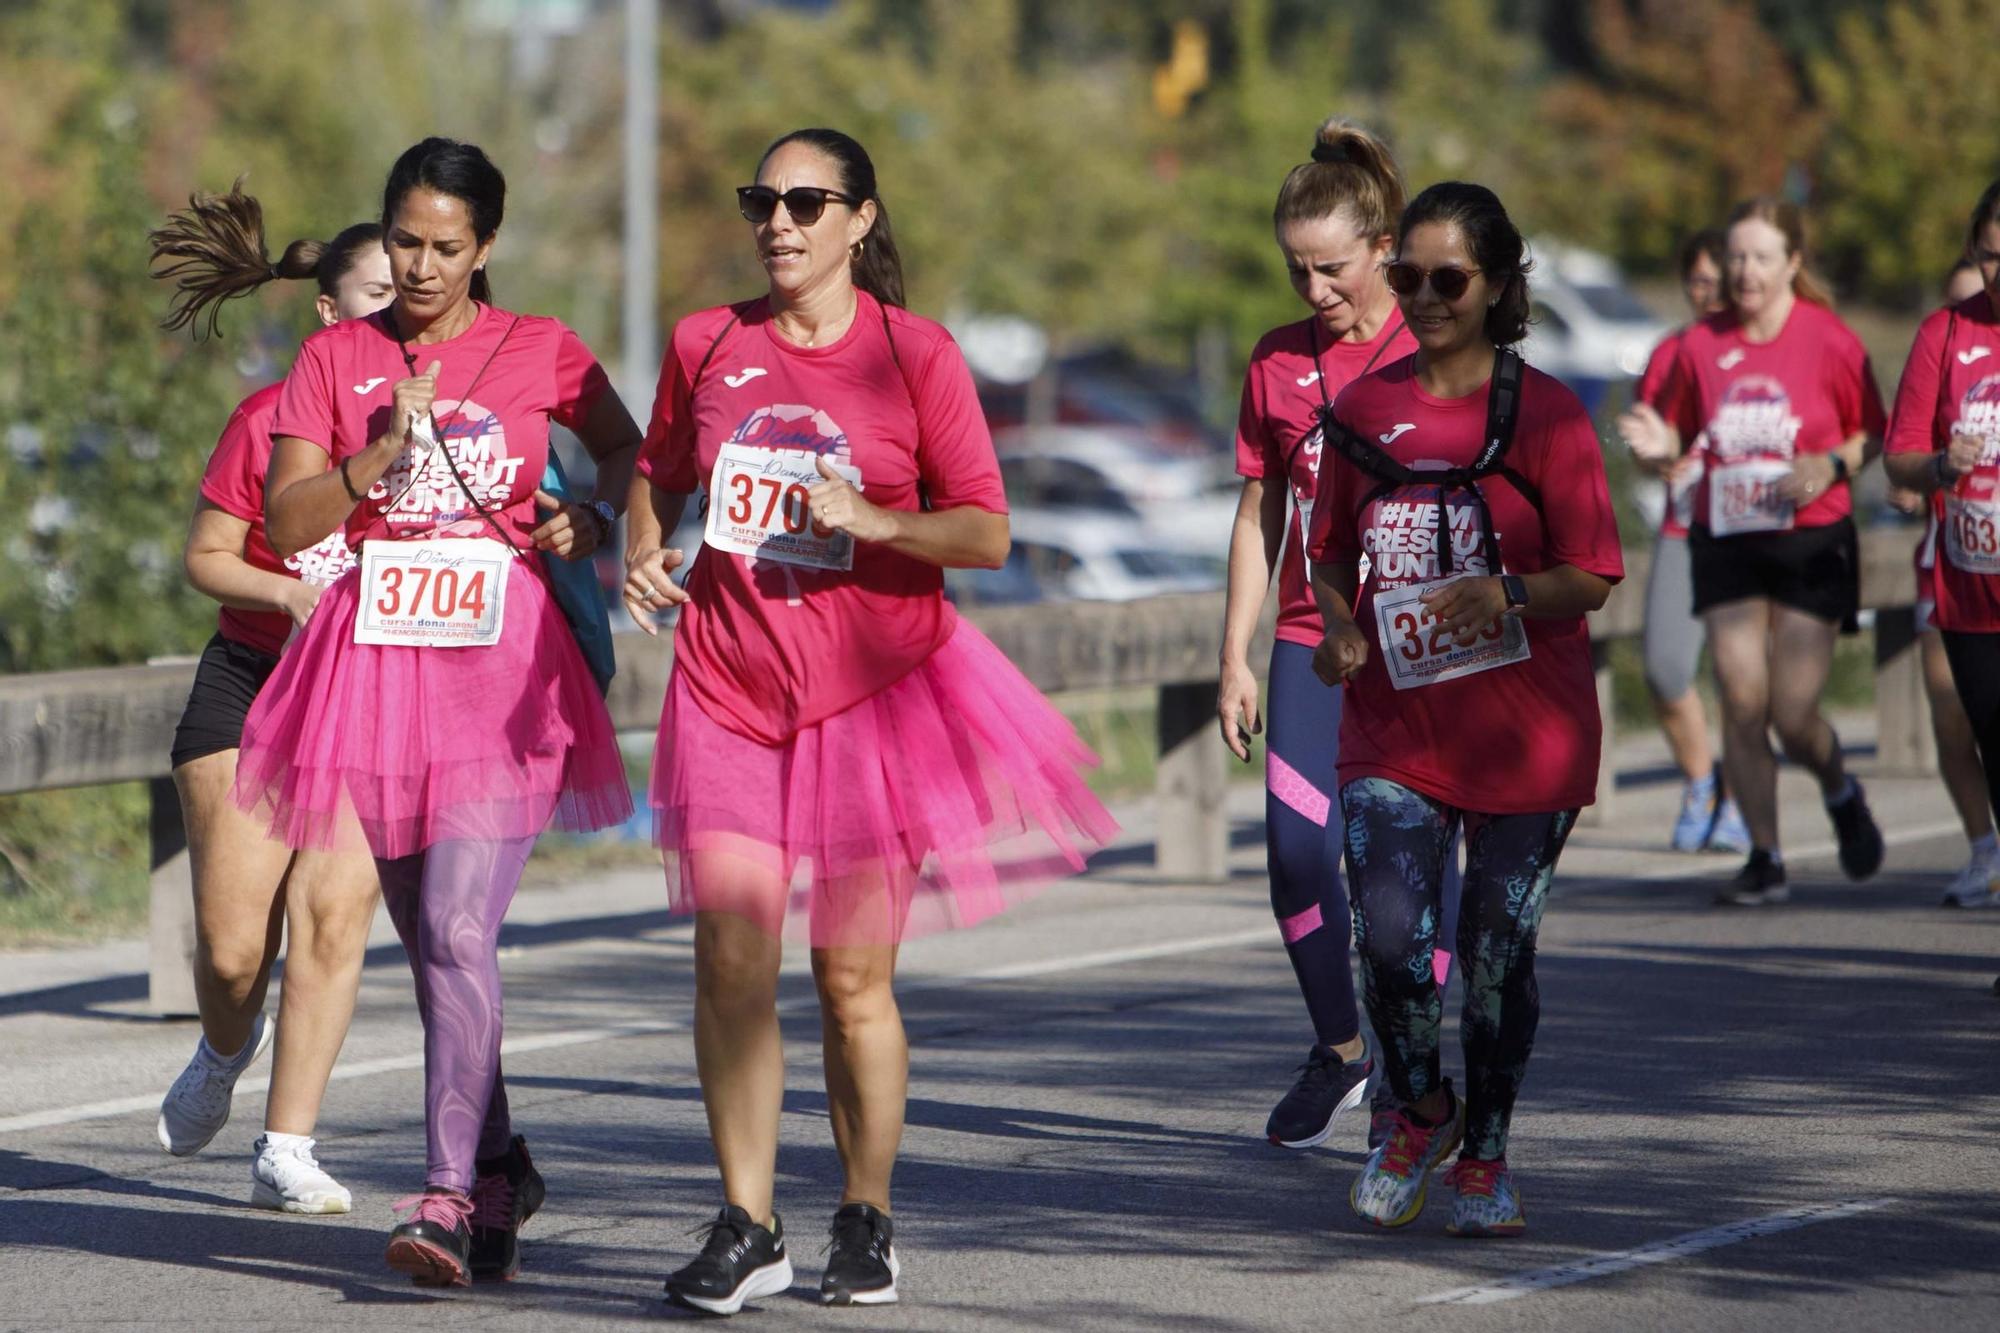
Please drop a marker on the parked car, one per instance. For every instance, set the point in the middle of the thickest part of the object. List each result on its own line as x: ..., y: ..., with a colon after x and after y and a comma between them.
x: 1101, y: 557
x: 1589, y: 330
x: 1111, y: 388
x: 1187, y: 501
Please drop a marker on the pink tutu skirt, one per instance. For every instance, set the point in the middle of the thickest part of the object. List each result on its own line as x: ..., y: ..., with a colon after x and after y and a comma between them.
x: 419, y: 744
x: 934, y: 804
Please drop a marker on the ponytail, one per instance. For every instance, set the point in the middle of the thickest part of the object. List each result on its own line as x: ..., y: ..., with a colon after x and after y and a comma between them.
x: 213, y: 251
x: 1351, y: 172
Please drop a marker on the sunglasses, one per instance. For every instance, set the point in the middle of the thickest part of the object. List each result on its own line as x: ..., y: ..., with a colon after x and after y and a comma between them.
x: 804, y: 202
x: 1406, y: 279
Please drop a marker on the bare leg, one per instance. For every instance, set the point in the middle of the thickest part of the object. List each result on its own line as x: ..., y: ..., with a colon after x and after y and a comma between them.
x: 330, y: 902
x: 1958, y: 755
x: 239, y: 901
x: 867, y: 1064
x: 1739, y: 638
x: 1801, y: 659
x: 1685, y: 725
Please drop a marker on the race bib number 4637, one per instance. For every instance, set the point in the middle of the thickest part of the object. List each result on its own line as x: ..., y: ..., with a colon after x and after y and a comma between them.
x: 758, y: 505
x: 1418, y: 651
x: 438, y: 594
x: 1972, y: 533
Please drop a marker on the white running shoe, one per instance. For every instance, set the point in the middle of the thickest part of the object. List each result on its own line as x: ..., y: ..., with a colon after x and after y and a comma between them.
x: 1977, y: 885
x: 197, y: 1106
x: 287, y: 1177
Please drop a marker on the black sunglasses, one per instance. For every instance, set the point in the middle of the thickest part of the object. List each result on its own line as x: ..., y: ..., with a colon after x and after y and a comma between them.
x: 804, y: 202
x: 1406, y: 279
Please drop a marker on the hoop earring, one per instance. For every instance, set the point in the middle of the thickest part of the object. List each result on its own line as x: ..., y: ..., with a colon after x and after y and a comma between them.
x: 854, y: 251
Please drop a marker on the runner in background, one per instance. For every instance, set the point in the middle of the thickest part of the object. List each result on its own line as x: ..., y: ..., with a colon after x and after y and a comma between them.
x: 1708, y: 819
x: 1945, y: 443
x: 1958, y: 755
x: 438, y: 699
x: 1335, y: 221
x: 249, y: 892
x: 1779, y: 393
x: 1468, y: 667
x: 827, y: 704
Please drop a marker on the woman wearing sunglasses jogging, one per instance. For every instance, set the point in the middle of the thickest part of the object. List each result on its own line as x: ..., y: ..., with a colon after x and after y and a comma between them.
x: 1475, y: 489
x: 1335, y: 221
x: 1780, y: 396
x: 827, y: 705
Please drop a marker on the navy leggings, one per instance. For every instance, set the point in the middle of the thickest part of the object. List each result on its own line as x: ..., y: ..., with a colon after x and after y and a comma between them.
x: 1398, y: 843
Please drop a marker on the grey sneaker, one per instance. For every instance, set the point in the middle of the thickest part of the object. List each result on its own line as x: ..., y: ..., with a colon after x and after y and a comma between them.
x: 197, y: 1106
x: 1392, y: 1185
x: 288, y: 1178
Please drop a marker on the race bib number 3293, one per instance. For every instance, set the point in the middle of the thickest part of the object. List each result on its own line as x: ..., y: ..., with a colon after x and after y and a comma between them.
x: 438, y: 594
x: 759, y: 505
x: 1418, y: 651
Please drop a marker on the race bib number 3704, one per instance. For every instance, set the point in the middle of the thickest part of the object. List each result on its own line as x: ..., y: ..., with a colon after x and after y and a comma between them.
x: 758, y: 505
x: 438, y: 594
x: 1418, y: 651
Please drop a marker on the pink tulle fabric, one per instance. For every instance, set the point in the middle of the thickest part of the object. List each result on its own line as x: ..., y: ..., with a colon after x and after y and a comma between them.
x: 932, y: 805
x: 422, y: 744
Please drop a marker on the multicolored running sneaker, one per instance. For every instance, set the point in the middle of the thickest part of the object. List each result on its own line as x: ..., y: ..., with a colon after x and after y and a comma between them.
x: 1392, y: 1185
x: 1486, y: 1203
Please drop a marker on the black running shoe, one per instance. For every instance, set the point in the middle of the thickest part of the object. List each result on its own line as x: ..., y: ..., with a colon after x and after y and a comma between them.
x: 861, y: 1264
x: 739, y: 1261
x: 506, y: 1193
x: 434, y: 1243
x: 1326, y: 1089
x: 1760, y: 883
x: 1860, y: 839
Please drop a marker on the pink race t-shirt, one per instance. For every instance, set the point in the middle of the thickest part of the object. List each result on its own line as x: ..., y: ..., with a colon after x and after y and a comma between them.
x: 1760, y: 405
x: 234, y: 483
x: 1277, y: 435
x: 502, y: 381
x: 1521, y: 736
x: 769, y: 647
x: 1655, y: 391
x: 1951, y: 386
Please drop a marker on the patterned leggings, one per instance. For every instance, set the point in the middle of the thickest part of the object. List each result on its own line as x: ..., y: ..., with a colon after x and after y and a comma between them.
x: 447, y: 902
x: 1397, y: 844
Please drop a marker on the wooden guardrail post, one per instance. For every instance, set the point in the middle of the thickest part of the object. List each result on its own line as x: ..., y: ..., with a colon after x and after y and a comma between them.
x: 170, y: 959
x: 1904, y: 743
x: 1192, y: 786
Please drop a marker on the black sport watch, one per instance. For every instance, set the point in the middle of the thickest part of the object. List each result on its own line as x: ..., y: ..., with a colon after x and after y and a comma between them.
x: 606, y: 517
x: 1516, y: 590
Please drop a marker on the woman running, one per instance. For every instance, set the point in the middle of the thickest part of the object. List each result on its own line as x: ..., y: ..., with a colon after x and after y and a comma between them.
x: 826, y: 703
x: 1335, y: 221
x: 1709, y: 819
x: 438, y: 699
x: 1945, y: 443
x: 250, y: 892
x: 1781, y: 396
x: 1475, y: 489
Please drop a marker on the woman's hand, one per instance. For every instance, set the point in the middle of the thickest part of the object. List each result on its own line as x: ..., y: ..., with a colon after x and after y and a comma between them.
x: 411, y: 399
x: 299, y: 601
x: 572, y: 532
x: 1341, y: 654
x: 1811, y: 477
x: 1647, y: 434
x: 649, y: 585
x: 1236, y: 705
x: 837, y: 506
x: 1466, y: 606
x: 1962, y: 455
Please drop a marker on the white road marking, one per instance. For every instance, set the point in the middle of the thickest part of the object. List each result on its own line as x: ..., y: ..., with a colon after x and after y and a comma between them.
x: 552, y: 1041
x: 1659, y: 1252
x: 1697, y: 871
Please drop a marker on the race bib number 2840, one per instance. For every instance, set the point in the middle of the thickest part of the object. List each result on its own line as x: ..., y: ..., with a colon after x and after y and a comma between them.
x: 439, y: 594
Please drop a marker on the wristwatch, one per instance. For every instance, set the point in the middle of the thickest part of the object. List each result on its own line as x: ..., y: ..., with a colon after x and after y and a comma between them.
x: 1839, y: 470
x: 605, y: 515
x: 1516, y: 590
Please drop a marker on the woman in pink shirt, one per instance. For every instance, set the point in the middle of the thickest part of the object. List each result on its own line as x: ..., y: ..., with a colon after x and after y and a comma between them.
x: 1474, y: 487
x: 437, y: 704
x: 827, y: 705
x: 249, y: 892
x: 1779, y: 395
x: 1335, y: 221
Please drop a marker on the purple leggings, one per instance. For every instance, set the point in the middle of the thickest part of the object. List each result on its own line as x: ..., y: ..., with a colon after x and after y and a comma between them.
x: 447, y: 902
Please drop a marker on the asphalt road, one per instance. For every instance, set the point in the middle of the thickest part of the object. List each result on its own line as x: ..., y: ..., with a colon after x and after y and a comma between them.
x: 1773, y: 1120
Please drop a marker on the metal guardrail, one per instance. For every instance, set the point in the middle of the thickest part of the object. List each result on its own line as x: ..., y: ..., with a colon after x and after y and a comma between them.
x: 82, y: 728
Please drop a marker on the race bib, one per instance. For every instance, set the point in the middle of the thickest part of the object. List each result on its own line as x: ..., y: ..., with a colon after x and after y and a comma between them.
x: 440, y: 594
x: 1418, y: 651
x: 758, y: 505
x: 1743, y: 497
x: 1972, y: 533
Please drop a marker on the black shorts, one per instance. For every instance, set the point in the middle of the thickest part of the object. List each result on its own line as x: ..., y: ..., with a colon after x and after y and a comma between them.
x: 225, y: 685
x: 1815, y: 570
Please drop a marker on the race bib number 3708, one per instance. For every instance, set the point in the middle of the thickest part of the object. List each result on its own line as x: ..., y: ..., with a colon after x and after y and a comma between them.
x: 758, y: 505
x: 438, y: 594
x: 1418, y: 651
